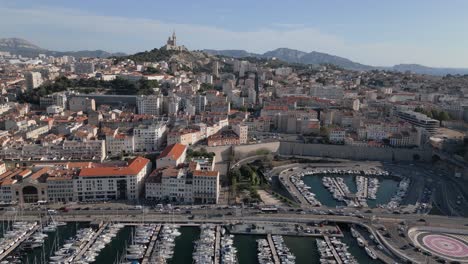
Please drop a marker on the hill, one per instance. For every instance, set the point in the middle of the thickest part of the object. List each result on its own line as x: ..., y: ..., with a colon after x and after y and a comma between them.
x: 25, y: 48
x: 317, y: 58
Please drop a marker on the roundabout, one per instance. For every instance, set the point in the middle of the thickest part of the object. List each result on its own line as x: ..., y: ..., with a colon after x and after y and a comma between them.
x: 449, y: 246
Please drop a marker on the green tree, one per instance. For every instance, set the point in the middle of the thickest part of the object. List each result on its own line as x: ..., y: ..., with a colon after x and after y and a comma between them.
x: 444, y: 116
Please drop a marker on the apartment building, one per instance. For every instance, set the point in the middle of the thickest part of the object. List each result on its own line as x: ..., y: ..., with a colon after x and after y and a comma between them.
x: 149, y: 137
x: 112, y: 182
x: 149, y: 104
x: 186, y: 184
x: 172, y: 156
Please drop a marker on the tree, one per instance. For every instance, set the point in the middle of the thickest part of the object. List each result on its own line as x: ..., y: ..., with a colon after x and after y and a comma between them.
x: 324, y: 131
x: 443, y: 116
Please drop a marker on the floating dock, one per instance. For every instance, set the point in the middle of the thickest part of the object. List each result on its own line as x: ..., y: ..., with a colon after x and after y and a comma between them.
x: 332, y: 247
x: 14, y: 246
x: 150, y: 249
x: 217, y: 256
x: 91, y: 242
x: 273, y: 250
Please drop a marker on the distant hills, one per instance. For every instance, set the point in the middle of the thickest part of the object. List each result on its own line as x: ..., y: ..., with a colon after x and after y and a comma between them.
x: 25, y: 48
x: 317, y: 58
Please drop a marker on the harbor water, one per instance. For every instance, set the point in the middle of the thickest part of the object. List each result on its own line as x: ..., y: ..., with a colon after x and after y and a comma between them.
x: 184, y: 245
x: 303, y: 248
x: 115, y: 250
x: 386, y: 190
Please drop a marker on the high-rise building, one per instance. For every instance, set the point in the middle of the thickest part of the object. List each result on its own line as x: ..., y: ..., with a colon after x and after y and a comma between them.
x: 84, y: 67
x: 216, y: 69
x: 33, y: 80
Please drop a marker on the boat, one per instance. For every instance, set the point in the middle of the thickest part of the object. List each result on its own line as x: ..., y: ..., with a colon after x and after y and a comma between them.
x: 360, y: 242
x: 371, y: 253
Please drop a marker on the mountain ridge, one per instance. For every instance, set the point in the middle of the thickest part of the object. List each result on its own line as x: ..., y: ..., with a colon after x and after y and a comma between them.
x: 316, y: 58
x: 25, y: 48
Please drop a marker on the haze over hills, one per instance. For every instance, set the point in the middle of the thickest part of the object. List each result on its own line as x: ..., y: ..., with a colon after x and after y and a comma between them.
x: 25, y: 48
x: 316, y: 58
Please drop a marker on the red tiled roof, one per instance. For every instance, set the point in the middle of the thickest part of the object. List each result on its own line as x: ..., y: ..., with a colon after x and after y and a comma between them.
x: 173, y: 151
x: 205, y: 173
x: 135, y: 166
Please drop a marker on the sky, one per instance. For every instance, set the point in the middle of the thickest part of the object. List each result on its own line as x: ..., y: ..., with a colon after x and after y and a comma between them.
x: 374, y: 32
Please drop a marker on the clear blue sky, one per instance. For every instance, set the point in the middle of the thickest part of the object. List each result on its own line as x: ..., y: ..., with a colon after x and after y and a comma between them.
x: 377, y: 32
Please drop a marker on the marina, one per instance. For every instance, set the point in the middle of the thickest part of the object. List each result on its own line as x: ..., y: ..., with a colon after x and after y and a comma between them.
x: 168, y: 243
x: 353, y: 188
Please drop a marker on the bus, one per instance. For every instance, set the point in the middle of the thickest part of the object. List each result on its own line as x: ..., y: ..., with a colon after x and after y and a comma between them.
x: 269, y: 210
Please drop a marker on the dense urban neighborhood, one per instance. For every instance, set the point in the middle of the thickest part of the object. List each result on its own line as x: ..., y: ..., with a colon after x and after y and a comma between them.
x: 202, y: 136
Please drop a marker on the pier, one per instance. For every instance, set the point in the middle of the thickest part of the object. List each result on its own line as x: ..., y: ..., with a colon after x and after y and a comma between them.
x: 14, y: 246
x: 217, y: 245
x: 366, y: 187
x: 273, y: 250
x: 91, y: 241
x: 332, y: 247
x: 149, y: 250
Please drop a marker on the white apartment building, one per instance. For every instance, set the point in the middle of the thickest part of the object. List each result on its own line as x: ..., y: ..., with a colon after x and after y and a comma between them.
x: 185, y: 137
x: 111, y: 183
x: 35, y: 131
x: 33, y: 80
x: 117, y: 143
x: 149, y: 104
x: 171, y: 184
x: 60, y: 189
x: 242, y: 131
x: 78, y: 103
x: 337, y: 135
x: 183, y: 186
x: 86, y: 149
x: 149, y: 137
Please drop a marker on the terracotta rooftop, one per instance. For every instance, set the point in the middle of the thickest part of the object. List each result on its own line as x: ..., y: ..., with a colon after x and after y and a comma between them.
x: 133, y: 168
x: 173, y: 151
x: 201, y: 173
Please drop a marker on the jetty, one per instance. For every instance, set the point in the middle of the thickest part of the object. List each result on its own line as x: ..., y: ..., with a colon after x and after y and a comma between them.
x: 274, y: 254
x: 17, y: 243
x: 149, y: 250
x: 217, y: 245
x: 91, y: 241
x: 333, y: 249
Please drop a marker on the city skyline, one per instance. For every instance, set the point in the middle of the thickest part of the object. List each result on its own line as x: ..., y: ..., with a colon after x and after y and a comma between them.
x: 379, y: 34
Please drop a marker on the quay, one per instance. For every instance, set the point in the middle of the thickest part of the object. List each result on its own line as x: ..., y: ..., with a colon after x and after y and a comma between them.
x: 14, y: 246
x: 217, y: 255
x: 332, y: 247
x: 149, y: 250
x: 274, y: 254
x: 91, y: 241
